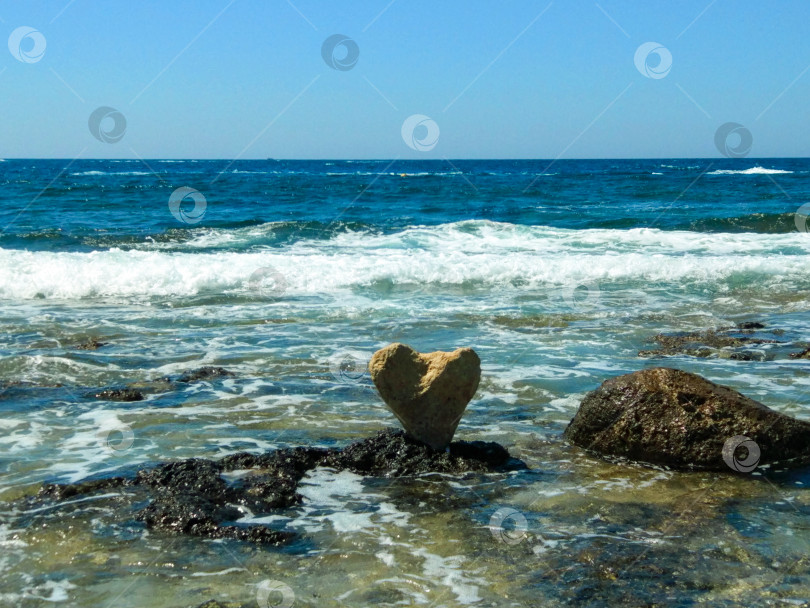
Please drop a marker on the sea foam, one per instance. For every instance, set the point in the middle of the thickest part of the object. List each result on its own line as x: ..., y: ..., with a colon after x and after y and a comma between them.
x: 463, y: 253
x: 752, y: 171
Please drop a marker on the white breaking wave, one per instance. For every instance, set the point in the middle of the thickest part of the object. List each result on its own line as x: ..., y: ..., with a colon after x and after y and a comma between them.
x: 482, y: 252
x: 751, y: 171
x: 111, y: 173
x: 395, y: 173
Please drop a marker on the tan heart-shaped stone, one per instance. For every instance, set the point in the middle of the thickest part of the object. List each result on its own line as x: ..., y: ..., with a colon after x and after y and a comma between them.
x: 428, y: 393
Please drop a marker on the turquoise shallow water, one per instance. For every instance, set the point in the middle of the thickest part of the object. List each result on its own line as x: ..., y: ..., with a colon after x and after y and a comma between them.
x: 294, y: 272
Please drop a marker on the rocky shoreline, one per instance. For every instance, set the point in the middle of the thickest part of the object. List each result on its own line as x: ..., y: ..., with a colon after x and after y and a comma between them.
x: 659, y: 416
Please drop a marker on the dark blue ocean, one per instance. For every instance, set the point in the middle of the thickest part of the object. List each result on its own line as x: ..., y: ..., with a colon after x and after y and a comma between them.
x: 291, y: 273
x: 49, y: 205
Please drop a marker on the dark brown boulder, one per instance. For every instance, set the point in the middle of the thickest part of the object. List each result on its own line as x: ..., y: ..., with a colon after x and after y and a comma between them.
x: 681, y: 420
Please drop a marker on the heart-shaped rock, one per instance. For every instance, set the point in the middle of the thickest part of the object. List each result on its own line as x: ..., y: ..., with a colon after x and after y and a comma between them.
x: 427, y: 392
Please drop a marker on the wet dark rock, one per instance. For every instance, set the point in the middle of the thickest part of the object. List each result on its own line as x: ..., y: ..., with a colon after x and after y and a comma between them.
x: 164, y: 385
x: 205, y: 373
x: 192, y: 476
x: 294, y: 460
x: 191, y: 497
x: 192, y: 514
x: 119, y: 394
x: 194, y: 497
x: 393, y: 453
x: 64, y: 491
x: 701, y: 353
x: 725, y: 343
x: 275, y: 480
x: 91, y: 344
x: 750, y: 325
x: 673, y: 418
x: 711, y: 338
x: 805, y: 354
x: 747, y: 355
x: 486, y: 452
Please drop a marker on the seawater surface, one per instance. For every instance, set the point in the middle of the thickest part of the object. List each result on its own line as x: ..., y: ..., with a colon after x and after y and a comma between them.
x: 558, y: 274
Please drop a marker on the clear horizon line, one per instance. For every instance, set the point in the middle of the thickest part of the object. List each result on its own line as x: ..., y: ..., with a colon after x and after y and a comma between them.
x: 376, y: 159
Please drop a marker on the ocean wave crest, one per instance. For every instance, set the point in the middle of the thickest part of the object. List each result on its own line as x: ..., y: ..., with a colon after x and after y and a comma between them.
x: 471, y: 252
x: 752, y: 171
x: 89, y: 173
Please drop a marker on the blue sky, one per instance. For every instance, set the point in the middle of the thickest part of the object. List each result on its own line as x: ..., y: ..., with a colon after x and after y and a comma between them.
x: 500, y: 79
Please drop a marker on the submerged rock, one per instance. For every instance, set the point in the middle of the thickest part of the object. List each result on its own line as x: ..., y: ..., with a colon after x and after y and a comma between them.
x: 428, y: 393
x: 57, y: 491
x: 152, y: 387
x: 207, y: 372
x: 193, y: 497
x: 119, y: 394
x: 750, y: 325
x: 90, y: 344
x: 725, y: 343
x: 681, y: 420
x: 135, y: 391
